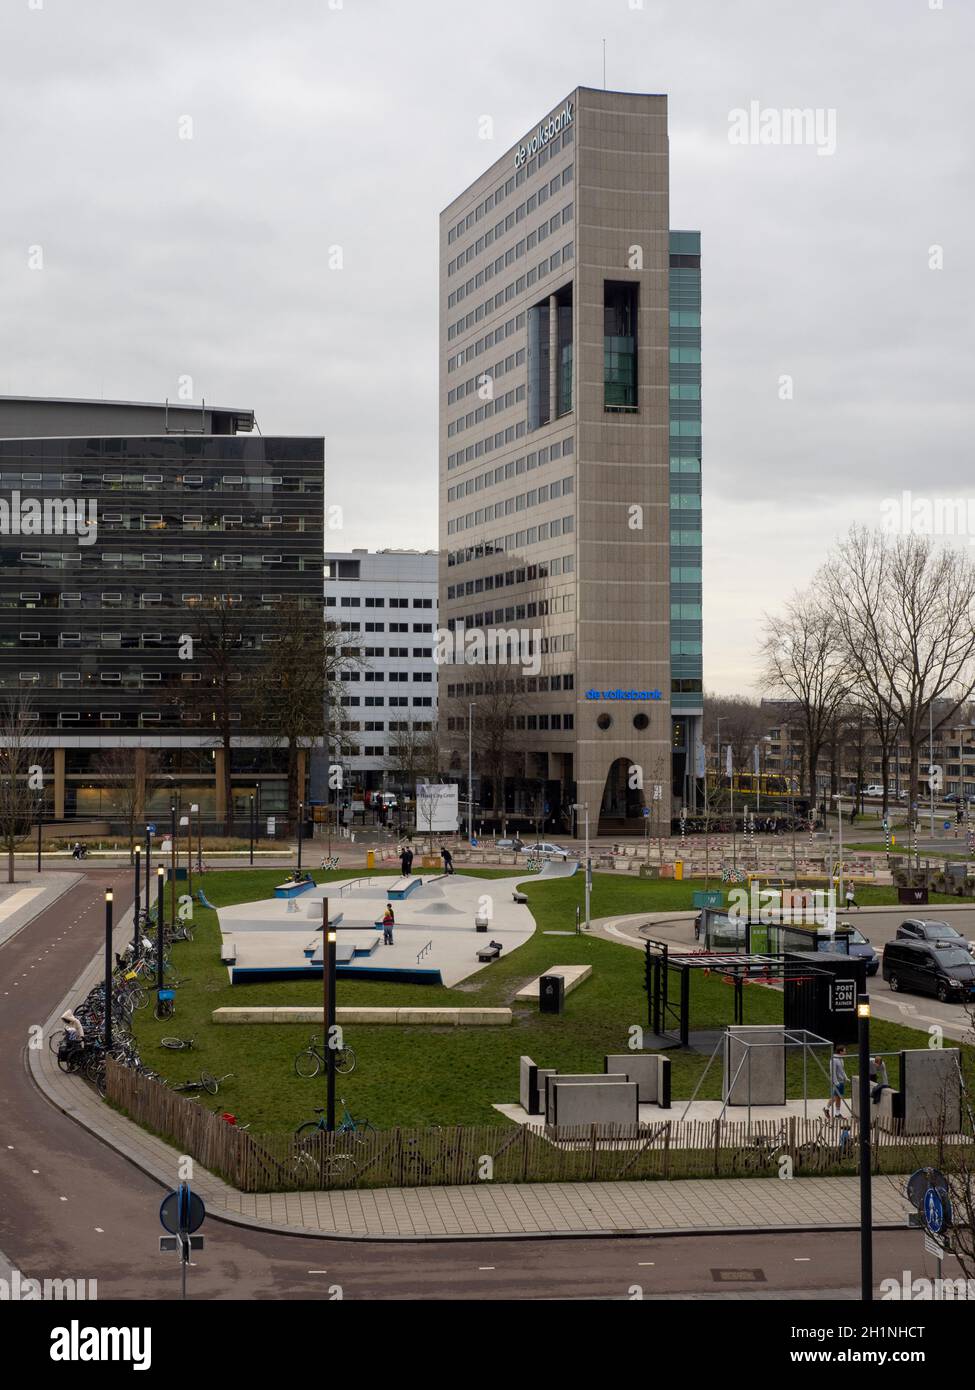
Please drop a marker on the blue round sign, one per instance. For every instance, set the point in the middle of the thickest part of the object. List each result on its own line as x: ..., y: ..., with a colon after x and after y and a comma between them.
x: 646, y: 810
x: 934, y: 1211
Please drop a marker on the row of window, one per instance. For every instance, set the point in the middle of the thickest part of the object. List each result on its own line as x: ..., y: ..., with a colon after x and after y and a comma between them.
x: 55, y: 560
x: 422, y: 652
x: 377, y: 726
x: 528, y: 575
x: 532, y: 685
x: 558, y: 642
x: 155, y: 482
x: 378, y: 627
x: 514, y: 253
x: 33, y: 598
x: 562, y: 448
x: 394, y: 701
x: 563, y: 564
x: 485, y: 380
x: 523, y: 282
x: 519, y: 612
x: 505, y: 190
x: 380, y: 676
x: 535, y: 497
x: 490, y: 340
x: 492, y: 407
x: 198, y: 521
x: 518, y: 722
x: 347, y: 601
x: 545, y: 531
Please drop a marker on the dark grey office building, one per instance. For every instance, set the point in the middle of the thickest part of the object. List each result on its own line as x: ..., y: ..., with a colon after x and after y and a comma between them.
x: 119, y: 521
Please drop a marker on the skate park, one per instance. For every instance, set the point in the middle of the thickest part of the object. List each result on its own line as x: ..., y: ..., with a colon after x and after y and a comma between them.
x: 446, y: 928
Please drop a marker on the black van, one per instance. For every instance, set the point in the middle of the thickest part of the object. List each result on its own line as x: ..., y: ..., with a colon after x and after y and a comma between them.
x: 930, y: 967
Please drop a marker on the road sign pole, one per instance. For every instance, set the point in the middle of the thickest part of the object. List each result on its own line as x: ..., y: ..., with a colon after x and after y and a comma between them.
x: 160, y: 926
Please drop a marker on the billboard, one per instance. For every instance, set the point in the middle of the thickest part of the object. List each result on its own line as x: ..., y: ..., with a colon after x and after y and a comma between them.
x: 436, y: 807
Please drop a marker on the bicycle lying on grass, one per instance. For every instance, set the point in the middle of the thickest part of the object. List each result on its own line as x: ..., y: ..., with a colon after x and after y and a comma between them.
x: 207, y: 1082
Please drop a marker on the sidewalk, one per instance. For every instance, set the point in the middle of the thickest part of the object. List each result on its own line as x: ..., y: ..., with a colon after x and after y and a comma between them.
x: 32, y: 894
x: 478, y: 1212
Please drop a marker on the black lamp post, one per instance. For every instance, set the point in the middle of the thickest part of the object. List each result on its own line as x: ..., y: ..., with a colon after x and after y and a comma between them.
x: 108, y: 971
x: 40, y: 822
x: 160, y: 923
x: 136, y: 906
x: 301, y: 812
x: 252, y: 831
x: 330, y: 937
x: 866, y: 1196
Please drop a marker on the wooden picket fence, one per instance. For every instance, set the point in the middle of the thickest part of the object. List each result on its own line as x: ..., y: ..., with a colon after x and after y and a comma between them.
x: 459, y: 1155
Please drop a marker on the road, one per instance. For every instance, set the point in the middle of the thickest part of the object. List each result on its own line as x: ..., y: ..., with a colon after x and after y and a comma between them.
x: 70, y: 1207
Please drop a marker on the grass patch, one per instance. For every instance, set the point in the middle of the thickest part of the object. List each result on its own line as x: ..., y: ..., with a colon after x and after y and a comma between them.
x: 423, y: 1075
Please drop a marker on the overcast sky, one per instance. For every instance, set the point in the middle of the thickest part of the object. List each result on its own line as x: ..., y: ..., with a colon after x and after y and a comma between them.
x: 317, y: 123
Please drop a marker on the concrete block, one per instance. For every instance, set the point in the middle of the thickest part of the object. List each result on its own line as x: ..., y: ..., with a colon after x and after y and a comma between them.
x: 598, y: 1101
x: 650, y: 1071
x: 573, y: 975
x: 930, y: 1090
x: 575, y: 1078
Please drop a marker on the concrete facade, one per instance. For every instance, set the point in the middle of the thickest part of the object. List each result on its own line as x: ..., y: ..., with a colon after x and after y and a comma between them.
x: 555, y: 490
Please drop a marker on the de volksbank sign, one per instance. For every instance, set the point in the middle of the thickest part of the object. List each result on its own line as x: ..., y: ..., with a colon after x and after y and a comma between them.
x: 620, y: 694
x: 546, y: 131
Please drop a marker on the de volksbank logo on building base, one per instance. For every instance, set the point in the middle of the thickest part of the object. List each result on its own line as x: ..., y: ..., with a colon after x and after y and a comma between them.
x: 619, y: 694
x: 546, y: 131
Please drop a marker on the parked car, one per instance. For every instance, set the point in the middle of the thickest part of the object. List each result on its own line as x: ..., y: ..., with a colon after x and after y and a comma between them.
x: 543, y: 849
x: 927, y: 929
x: 860, y: 946
x: 873, y: 790
x: 929, y: 967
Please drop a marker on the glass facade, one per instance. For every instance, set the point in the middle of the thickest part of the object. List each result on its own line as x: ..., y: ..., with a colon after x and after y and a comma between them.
x: 685, y: 474
x: 92, y: 626
x: 620, y: 307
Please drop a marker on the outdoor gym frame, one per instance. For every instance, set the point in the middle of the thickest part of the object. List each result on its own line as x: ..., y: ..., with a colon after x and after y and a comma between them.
x: 669, y: 1018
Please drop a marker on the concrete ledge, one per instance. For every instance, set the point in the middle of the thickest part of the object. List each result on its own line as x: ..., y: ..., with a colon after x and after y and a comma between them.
x: 312, y: 1014
x: 573, y: 975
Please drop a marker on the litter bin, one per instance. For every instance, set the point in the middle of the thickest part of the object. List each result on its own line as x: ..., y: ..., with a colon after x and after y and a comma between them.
x: 678, y: 868
x: 370, y: 858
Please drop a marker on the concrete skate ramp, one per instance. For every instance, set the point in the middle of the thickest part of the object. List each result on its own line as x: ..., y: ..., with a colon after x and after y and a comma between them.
x: 551, y: 869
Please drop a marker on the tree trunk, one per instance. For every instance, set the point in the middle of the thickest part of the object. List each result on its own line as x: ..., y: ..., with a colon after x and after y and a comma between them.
x: 228, y: 799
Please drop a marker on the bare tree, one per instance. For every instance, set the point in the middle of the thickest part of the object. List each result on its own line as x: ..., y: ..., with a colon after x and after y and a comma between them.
x: 22, y: 761
x: 803, y: 658
x: 291, y: 687
x: 904, y: 610
x: 741, y: 722
x: 134, y: 775
x: 224, y: 692
x: 418, y: 754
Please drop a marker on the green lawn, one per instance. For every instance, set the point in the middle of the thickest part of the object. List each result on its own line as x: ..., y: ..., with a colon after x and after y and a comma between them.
x: 423, y: 1075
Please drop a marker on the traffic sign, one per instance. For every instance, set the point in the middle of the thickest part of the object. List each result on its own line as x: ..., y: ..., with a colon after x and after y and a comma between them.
x: 646, y: 810
x: 150, y: 830
x: 935, y: 1213
x: 919, y: 1182
x: 182, y: 1211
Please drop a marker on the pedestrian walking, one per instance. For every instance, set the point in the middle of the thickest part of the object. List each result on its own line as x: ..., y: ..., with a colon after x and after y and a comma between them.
x: 448, y: 860
x: 405, y: 859
x: 851, y: 897
x: 409, y: 860
x: 838, y: 1079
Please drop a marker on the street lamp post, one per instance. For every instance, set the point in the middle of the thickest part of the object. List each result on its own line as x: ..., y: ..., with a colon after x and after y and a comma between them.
x: 40, y: 822
x: 580, y: 806
x: 839, y: 872
x: 160, y: 925
x: 108, y: 971
x: 866, y: 1199
x: 301, y: 813
x: 470, y: 772
x: 252, y: 832
x: 135, y: 908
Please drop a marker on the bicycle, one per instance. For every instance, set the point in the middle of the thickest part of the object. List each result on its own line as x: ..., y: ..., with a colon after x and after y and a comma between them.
x: 310, y: 1062
x: 165, y: 1005
x: 348, y: 1125
x: 178, y: 1044
x: 207, y: 1082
